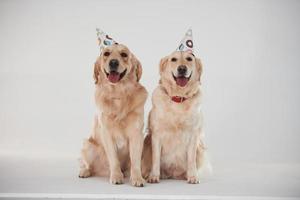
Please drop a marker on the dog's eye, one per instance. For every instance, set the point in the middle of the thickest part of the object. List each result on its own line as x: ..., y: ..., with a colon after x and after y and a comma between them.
x: 174, y: 59
x: 189, y: 59
x: 106, y: 53
x: 124, y: 55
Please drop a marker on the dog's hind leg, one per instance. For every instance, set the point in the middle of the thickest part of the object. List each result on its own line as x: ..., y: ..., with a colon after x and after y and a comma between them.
x: 88, y: 157
x: 93, y: 159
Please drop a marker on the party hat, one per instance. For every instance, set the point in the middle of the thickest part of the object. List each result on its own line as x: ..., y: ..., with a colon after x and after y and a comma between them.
x: 186, y: 43
x: 104, y: 40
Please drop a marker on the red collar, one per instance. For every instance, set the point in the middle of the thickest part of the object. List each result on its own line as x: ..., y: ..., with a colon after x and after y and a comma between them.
x: 178, y: 99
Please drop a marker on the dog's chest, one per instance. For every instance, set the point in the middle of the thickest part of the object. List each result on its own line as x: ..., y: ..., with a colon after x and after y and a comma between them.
x: 179, y: 127
x: 114, y: 102
x: 176, y: 119
x: 174, y: 149
x: 173, y: 142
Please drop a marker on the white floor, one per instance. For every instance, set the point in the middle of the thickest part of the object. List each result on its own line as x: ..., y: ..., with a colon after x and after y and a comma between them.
x: 56, y: 179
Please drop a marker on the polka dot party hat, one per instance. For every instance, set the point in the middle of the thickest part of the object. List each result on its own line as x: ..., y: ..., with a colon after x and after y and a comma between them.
x: 103, y: 39
x: 186, y: 43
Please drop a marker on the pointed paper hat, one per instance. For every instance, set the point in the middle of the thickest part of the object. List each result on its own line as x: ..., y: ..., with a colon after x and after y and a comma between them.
x: 104, y: 40
x: 186, y: 43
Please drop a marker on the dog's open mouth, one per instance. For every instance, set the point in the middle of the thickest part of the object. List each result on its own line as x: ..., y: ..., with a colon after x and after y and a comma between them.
x: 181, y: 80
x: 114, y: 76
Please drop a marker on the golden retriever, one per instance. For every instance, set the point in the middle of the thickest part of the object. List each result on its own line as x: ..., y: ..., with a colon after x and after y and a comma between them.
x: 115, y: 145
x: 174, y: 145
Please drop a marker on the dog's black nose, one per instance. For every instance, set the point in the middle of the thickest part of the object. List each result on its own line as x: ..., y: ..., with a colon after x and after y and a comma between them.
x: 182, y: 69
x: 113, y: 64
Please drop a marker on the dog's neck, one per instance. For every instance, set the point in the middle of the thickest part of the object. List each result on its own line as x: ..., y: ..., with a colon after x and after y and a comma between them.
x: 118, y: 88
x: 179, y: 94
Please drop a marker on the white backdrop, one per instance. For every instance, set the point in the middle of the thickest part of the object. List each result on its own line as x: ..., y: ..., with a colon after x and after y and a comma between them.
x: 250, y: 51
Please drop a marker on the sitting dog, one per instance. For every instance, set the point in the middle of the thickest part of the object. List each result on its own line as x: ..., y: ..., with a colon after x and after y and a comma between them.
x: 174, y: 145
x: 115, y: 145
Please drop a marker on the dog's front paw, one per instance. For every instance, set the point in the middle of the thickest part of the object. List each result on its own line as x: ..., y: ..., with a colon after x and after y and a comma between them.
x: 84, y: 173
x: 137, y: 181
x: 193, y: 180
x: 153, y: 179
x: 116, y: 178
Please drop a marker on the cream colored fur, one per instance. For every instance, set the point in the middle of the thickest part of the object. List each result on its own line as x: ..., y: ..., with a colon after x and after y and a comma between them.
x: 174, y: 146
x: 114, y: 148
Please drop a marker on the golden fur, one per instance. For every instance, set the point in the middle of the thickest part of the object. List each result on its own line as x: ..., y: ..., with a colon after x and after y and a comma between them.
x: 115, y: 146
x: 173, y: 147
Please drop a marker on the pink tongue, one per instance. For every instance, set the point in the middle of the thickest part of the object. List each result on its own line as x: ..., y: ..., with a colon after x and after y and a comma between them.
x: 113, y: 77
x: 181, y: 81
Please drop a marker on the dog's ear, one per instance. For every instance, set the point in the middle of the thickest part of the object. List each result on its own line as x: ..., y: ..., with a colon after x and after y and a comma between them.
x: 163, y: 64
x: 138, y: 70
x: 97, y: 72
x: 199, y: 68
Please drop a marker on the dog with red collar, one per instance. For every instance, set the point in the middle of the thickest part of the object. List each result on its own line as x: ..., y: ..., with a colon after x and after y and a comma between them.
x: 174, y: 147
